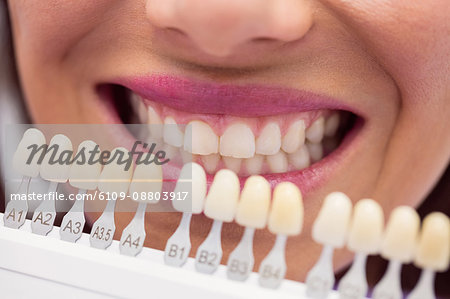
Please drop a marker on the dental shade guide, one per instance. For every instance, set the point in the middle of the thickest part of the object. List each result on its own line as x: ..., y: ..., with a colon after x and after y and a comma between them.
x: 364, y: 238
x: 16, y: 210
x: 400, y: 243
x: 45, y: 214
x: 252, y: 213
x: 147, y: 179
x: 192, y: 180
x: 398, y: 246
x: 285, y: 219
x: 432, y: 254
x: 220, y: 205
x: 330, y: 229
x: 84, y: 177
x: 114, y: 181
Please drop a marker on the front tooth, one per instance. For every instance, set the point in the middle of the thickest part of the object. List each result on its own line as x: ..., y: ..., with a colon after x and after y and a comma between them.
x: 148, y: 179
x: 57, y: 172
x: 253, y: 206
x: 84, y: 176
x: 400, y: 237
x: 221, y: 201
x: 233, y: 164
x: 199, y: 138
x: 300, y: 159
x: 192, y: 180
x: 433, y: 251
x: 269, y: 140
x: 332, y: 124
x: 254, y: 164
x: 315, y: 151
x: 155, y: 124
x: 278, y: 163
x: 295, y: 137
x: 115, y: 178
x: 31, y: 137
x: 366, y: 227
x: 332, y: 224
x: 315, y: 132
x: 172, y: 133
x: 210, y: 162
x: 286, y: 214
x: 237, y: 141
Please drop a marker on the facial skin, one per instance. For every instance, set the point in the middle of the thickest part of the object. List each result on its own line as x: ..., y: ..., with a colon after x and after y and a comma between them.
x: 389, y: 59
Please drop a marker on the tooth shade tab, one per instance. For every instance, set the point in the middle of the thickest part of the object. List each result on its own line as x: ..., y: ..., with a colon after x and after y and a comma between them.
x: 294, y: 138
x: 253, y: 207
x: 286, y: 214
x: 200, y: 139
x: 238, y: 141
x: 241, y: 260
x: 222, y: 199
x: 192, y: 180
x: 320, y: 279
x: 114, y: 178
x: 31, y: 137
x: 16, y: 210
x: 178, y: 246
x: 60, y: 150
x: 401, y: 235
x: 273, y: 267
x: 74, y: 216
x: 133, y: 235
x: 85, y: 176
x: 398, y: 246
x: 332, y: 224
x: 45, y: 213
x: 433, y: 251
x: 172, y: 133
x: 366, y: 227
x: 147, y: 179
x: 269, y: 140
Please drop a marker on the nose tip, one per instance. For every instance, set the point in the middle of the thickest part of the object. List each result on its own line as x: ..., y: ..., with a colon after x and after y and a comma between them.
x: 217, y: 27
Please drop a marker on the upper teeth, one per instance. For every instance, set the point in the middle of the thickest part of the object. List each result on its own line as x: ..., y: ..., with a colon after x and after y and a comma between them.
x: 250, y: 145
x: 172, y: 133
x: 315, y: 132
x: 238, y: 141
x: 269, y: 140
x: 295, y: 137
x: 200, y: 139
x: 155, y: 128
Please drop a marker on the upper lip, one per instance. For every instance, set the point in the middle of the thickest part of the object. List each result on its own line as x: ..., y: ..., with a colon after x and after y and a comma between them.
x: 223, y: 99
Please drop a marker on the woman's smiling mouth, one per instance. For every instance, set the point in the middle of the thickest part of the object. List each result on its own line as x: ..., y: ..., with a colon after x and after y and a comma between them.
x: 283, y: 134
